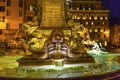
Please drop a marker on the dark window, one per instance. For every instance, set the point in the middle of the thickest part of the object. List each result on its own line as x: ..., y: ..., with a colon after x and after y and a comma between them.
x: 113, y: 30
x: 92, y: 17
x: 98, y: 29
x: 2, y: 0
x: 80, y: 7
x: 119, y: 30
x: 7, y: 26
x: 104, y: 36
x: 20, y: 3
x: 98, y: 36
x: 20, y: 13
x: 8, y: 2
x: 2, y: 8
x: 103, y: 17
x: 86, y: 7
x: 8, y: 12
x: 29, y: 18
x: 0, y: 31
x: 0, y: 19
x: 92, y: 7
x: 98, y: 23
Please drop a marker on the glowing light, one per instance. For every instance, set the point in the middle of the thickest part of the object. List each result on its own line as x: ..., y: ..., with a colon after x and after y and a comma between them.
x: 78, y: 17
x: 96, y: 30
x: 101, y: 30
x: 58, y: 62
x: 86, y: 23
x: 105, y: 43
x: 77, y: 8
x: 90, y: 30
x: 95, y: 17
x: 75, y: 17
x: 92, y: 23
x: 90, y: 17
x: 84, y: 17
x: 89, y: 8
x: 101, y: 18
x: 106, y: 18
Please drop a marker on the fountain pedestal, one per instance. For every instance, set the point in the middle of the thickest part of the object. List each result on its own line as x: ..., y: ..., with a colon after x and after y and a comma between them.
x: 53, y: 29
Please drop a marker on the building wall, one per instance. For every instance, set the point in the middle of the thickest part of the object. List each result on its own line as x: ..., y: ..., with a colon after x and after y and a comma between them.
x: 86, y: 12
x: 115, y: 35
x: 92, y: 16
x: 12, y: 16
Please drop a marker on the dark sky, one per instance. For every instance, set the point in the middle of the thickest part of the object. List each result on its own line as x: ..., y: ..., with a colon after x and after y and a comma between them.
x: 113, y: 6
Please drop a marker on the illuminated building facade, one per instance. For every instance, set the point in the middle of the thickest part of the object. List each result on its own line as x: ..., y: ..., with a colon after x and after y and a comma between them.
x: 11, y: 16
x: 115, y: 35
x: 92, y: 16
x: 89, y: 13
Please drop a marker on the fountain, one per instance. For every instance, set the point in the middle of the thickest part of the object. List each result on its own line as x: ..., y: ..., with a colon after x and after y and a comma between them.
x: 51, y: 40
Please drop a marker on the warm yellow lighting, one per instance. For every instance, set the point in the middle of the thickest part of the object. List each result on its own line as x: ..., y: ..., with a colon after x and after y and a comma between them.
x: 86, y: 23
x: 95, y: 17
x: 78, y: 17
x: 106, y: 18
x: 101, y: 30
x: 92, y: 23
x: 89, y: 8
x: 2, y: 25
x: 84, y: 17
x: 101, y: 18
x: 96, y: 30
x: 90, y: 30
x: 83, y: 8
x: 106, y: 32
x: 75, y: 17
x: 77, y: 8
x: 90, y: 17
x: 105, y: 43
x: 103, y: 23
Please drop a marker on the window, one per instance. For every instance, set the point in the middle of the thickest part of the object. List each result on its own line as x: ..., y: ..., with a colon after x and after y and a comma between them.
x: 20, y: 13
x: 31, y: 7
x: 29, y: 18
x: 119, y: 30
x: 7, y: 26
x: 104, y: 36
x: 98, y: 36
x: 86, y: 23
x: 98, y: 29
x: 8, y: 2
x: 2, y: 19
x: 0, y: 31
x: 2, y: 0
x: 2, y: 8
x: 86, y: 7
x: 20, y: 3
x: 92, y: 23
x: 103, y: 22
x: 98, y: 23
x: 92, y: 7
x: 8, y: 12
x: 80, y: 7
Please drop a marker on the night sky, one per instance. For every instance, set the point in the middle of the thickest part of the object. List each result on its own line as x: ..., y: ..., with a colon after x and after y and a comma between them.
x: 113, y: 6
